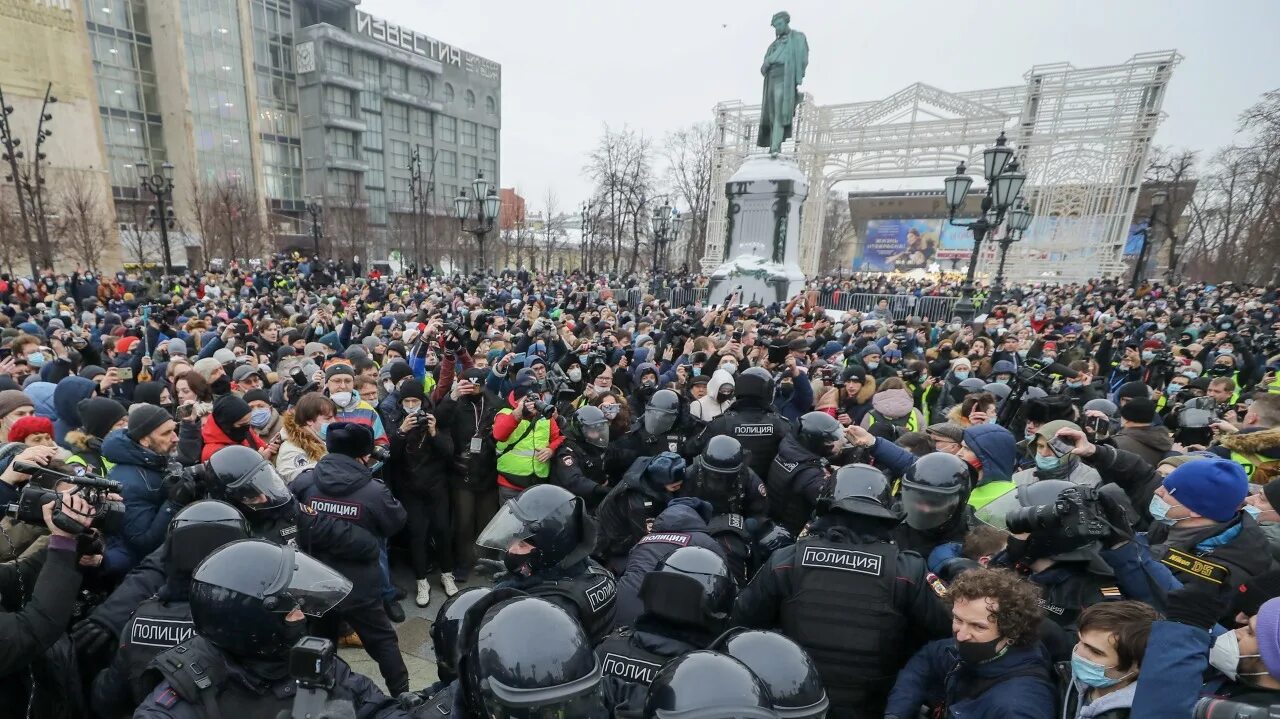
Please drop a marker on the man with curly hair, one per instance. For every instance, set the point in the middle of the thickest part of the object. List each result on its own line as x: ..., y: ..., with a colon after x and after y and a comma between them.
x: 993, y: 667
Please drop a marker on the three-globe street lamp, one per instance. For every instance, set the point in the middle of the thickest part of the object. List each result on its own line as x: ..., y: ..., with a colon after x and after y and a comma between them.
x: 1004, y: 183
x: 160, y: 184
x: 666, y: 226
x: 487, y: 206
x: 315, y: 209
x: 1157, y: 200
x: 1018, y: 220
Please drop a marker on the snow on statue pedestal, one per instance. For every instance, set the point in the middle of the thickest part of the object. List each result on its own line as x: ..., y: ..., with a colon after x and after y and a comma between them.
x: 762, y: 232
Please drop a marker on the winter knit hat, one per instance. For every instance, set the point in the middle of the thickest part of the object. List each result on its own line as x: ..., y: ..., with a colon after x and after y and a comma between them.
x: 1214, y: 488
x: 145, y: 419
x: 98, y: 415
x: 1140, y: 410
x: 1268, y: 634
x: 28, y: 426
x: 206, y: 366
x: 177, y: 347
x: 11, y: 399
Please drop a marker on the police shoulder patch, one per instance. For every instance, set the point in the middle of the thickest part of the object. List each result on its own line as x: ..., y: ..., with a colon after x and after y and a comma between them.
x: 567, y: 460
x: 306, y: 509
x: 786, y: 466
x: 845, y: 560
x: 167, y: 698
x: 630, y: 669
x: 936, y: 585
x: 600, y: 595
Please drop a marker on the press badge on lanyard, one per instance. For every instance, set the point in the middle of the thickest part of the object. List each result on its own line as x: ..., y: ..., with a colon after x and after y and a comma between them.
x: 476, y: 444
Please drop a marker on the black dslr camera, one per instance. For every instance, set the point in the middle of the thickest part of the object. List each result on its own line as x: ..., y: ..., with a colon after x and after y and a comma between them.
x: 108, y: 513
x: 1076, y: 513
x: 1215, y: 708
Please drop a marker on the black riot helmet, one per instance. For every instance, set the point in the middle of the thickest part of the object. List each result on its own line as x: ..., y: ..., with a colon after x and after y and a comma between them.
x: 754, y: 385
x: 933, y: 488
x: 661, y: 472
x: 448, y: 628
x: 819, y: 433
x: 197, y: 530
x: 1000, y: 391
x: 662, y: 412
x: 717, y: 475
x: 243, y: 592
x: 247, y: 480
x: 531, y: 659
x: 588, y: 424
x: 547, y: 517
x: 691, y: 587
x: 783, y: 666
x: 858, y: 489
x: 707, y: 685
x: 971, y: 385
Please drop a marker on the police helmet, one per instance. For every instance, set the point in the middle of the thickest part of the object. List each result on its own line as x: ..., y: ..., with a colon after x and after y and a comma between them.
x: 933, y: 488
x: 783, y: 666
x: 707, y: 685
x: 691, y: 586
x: 1000, y: 391
x: 754, y: 384
x: 716, y: 475
x: 858, y: 489
x: 247, y: 480
x: 546, y: 516
x: 662, y: 412
x: 243, y: 592
x: 448, y: 628
x: 530, y: 658
x: 817, y: 431
x: 200, y: 528
x: 972, y: 384
x: 589, y: 425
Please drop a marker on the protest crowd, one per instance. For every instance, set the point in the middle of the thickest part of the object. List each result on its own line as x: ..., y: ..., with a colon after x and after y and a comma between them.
x: 635, y: 503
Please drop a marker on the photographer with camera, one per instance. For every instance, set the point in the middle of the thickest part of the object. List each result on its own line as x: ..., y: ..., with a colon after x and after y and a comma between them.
x: 1054, y: 460
x: 41, y: 589
x: 526, y: 437
x: 140, y: 456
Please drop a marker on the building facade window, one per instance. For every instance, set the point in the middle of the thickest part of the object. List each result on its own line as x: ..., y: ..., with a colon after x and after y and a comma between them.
x: 489, y: 139
x: 490, y: 167
x: 369, y: 68
x: 400, y: 198
x: 399, y: 154
x: 469, y: 166
x: 338, y: 102
x: 218, y: 100
x: 471, y: 100
x: 422, y: 124
x: 343, y: 184
x: 398, y: 76
x: 372, y: 135
x: 423, y: 84
x: 377, y: 206
x: 447, y: 162
x: 490, y: 105
x: 377, y: 174
x: 468, y: 138
x: 397, y: 117
x: 338, y: 58
x: 448, y: 93
x: 449, y: 129
x: 341, y: 143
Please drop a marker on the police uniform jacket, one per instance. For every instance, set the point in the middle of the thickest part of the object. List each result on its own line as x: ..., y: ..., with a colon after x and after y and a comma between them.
x: 796, y: 478
x: 580, y: 469
x: 682, y: 524
x: 160, y: 623
x: 634, y: 654
x: 760, y: 430
x: 239, y: 693
x: 583, y: 588
x: 344, y: 488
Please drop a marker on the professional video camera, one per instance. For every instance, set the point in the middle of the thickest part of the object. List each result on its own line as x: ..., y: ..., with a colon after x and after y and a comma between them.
x: 109, y: 513
x: 311, y: 666
x: 1076, y: 513
x: 1194, y: 421
x: 1215, y: 708
x: 1037, y: 372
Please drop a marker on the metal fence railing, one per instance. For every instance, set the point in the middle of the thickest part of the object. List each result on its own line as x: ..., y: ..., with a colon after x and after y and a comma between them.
x: 900, y: 306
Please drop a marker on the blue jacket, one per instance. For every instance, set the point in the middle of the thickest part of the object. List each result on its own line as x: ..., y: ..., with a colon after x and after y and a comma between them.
x: 800, y: 402
x: 684, y: 523
x: 1172, y: 672
x: 995, y: 447
x: 147, y: 509
x: 933, y: 675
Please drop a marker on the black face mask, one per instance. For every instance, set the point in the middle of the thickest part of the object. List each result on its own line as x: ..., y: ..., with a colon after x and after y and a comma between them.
x: 238, y: 434
x: 978, y: 652
x: 520, y: 565
x: 222, y: 385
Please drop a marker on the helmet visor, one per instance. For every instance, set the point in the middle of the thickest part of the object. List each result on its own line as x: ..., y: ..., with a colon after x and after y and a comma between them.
x: 506, y: 528
x: 259, y: 489
x: 578, y: 698
x: 314, y: 587
x: 928, y: 510
x: 657, y: 421
x: 597, y: 435
x: 994, y: 512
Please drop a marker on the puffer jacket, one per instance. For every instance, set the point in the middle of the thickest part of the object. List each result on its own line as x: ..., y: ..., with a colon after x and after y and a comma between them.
x: 1018, y: 684
x: 147, y: 509
x: 1257, y: 444
x: 708, y: 408
x: 897, y: 407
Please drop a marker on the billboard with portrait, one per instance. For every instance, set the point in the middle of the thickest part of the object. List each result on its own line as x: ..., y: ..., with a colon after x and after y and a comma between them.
x: 898, y: 245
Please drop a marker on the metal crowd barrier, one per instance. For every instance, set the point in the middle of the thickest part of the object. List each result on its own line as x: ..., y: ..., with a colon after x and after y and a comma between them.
x: 900, y: 306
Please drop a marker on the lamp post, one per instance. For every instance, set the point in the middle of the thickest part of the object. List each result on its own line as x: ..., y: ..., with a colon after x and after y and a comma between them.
x: 587, y: 228
x: 1004, y: 183
x: 666, y: 225
x: 1157, y: 199
x: 160, y: 184
x: 419, y: 196
x: 487, y: 206
x: 1018, y: 221
x: 317, y: 233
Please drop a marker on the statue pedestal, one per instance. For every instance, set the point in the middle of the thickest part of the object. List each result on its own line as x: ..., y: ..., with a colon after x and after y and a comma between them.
x: 762, y: 232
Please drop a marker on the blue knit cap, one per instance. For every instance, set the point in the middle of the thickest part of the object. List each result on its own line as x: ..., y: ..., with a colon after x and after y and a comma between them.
x: 1212, y: 488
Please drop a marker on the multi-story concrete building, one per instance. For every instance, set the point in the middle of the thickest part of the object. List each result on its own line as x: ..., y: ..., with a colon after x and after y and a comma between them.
x: 291, y: 101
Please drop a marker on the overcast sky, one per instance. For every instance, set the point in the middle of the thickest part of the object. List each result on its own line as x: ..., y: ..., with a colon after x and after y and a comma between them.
x: 569, y: 67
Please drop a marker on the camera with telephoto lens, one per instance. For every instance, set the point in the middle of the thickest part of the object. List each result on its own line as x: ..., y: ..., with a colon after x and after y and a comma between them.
x: 381, y: 453
x: 1215, y: 708
x: 1077, y: 512
x: 544, y: 408
x: 108, y: 514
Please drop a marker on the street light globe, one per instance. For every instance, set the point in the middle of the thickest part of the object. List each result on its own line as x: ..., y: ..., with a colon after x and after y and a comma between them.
x: 956, y: 187
x: 462, y: 205
x: 994, y: 159
x: 1020, y: 217
x: 480, y: 186
x: 492, y: 204
x: 1007, y: 186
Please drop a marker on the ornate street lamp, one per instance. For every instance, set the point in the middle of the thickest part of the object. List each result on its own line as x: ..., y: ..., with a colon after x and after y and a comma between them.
x: 1018, y: 220
x: 160, y: 184
x: 487, y: 206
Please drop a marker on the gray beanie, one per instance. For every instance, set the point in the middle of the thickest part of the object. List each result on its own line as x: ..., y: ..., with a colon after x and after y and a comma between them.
x: 177, y: 347
x: 145, y: 419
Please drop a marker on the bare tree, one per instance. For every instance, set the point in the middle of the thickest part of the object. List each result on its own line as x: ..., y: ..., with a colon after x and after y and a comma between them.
x: 83, y: 226
x: 553, y: 225
x: 621, y: 167
x: 141, y: 246
x: 1175, y: 173
x: 347, y: 223
x: 837, y: 230
x: 229, y: 220
x: 12, y: 242
x: 688, y: 153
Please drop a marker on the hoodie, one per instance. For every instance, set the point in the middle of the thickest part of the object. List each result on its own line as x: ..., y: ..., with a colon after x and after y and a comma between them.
x: 41, y: 394
x: 1149, y: 442
x: 708, y: 407
x: 65, y: 398
x: 344, y: 488
x: 995, y: 448
x: 896, y: 406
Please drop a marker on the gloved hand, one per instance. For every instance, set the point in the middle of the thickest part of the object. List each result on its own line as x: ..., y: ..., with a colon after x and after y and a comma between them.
x: 410, y: 700
x: 1119, y: 513
x: 1196, y: 604
x: 91, y: 636
x: 183, y: 488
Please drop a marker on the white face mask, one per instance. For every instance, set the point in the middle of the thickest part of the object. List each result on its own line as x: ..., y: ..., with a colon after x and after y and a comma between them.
x: 575, y: 374
x: 342, y: 399
x: 1225, y: 656
x: 729, y: 367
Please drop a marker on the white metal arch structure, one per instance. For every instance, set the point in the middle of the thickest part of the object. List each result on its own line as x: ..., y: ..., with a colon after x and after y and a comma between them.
x: 1082, y: 135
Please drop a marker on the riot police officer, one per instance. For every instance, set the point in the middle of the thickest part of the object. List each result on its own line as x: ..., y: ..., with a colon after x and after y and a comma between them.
x: 446, y: 638
x: 628, y: 512
x: 935, y: 500
x: 579, y: 463
x: 800, y: 470
x: 249, y: 604
x: 706, y: 683
x: 687, y: 601
x: 784, y: 668
x: 751, y: 420
x: 239, y: 476
x: 886, y: 607
x: 682, y: 524
x: 164, y: 620
x: 665, y: 426
x: 545, y: 537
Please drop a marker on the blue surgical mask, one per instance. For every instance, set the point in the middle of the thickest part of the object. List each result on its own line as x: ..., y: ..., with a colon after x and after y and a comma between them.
x: 992, y: 419
x: 1073, y: 384
x: 697, y: 371
x: 1159, y: 510
x: 1252, y: 511
x: 35, y: 359
x: 1148, y: 355
x: 259, y: 418
x: 962, y: 374
x: 1091, y: 674
x: 1048, y: 463
x: 1001, y: 380
x: 1173, y: 389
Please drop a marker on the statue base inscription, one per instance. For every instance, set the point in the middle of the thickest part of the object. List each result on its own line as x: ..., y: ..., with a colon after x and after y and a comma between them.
x: 762, y: 233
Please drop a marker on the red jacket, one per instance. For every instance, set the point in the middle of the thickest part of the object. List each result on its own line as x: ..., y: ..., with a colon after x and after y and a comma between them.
x: 215, y: 439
